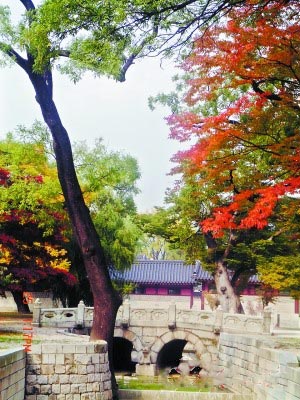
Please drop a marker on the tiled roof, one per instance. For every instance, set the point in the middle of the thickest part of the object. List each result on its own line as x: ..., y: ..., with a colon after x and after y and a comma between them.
x: 254, y: 279
x: 163, y: 272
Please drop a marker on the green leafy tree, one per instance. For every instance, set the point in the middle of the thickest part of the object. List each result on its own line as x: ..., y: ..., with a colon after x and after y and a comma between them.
x: 108, y: 180
x: 158, y: 242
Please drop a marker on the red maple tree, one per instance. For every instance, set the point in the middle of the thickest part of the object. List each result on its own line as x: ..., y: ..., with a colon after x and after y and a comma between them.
x: 32, y: 257
x: 248, y: 69
x: 242, y: 115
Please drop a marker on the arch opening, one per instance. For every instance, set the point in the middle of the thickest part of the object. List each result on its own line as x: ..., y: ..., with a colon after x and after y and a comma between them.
x: 170, y: 354
x: 122, y: 349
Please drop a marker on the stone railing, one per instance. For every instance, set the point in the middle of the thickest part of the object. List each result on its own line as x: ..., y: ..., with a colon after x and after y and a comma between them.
x: 80, y: 316
x: 165, y: 315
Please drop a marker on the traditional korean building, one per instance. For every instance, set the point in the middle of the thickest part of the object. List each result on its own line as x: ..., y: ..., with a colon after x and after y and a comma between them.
x: 167, y: 278
x: 188, y: 285
x: 171, y: 278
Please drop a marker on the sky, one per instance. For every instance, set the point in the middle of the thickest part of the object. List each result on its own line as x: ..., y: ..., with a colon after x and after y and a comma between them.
x: 116, y: 112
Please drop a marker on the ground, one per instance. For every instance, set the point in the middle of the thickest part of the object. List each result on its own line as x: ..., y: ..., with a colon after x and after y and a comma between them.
x: 12, y: 329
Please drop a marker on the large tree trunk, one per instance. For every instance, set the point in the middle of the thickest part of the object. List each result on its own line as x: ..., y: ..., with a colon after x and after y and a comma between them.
x: 227, y: 298
x: 106, y: 300
x: 22, y: 305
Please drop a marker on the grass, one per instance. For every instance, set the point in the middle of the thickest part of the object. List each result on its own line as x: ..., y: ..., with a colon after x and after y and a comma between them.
x: 10, y: 339
x: 11, y: 334
x: 14, y: 314
x: 287, y: 343
x: 183, y: 384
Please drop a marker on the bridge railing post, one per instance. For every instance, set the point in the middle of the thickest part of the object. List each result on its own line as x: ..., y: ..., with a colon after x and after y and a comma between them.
x: 80, y: 314
x: 36, y: 313
x: 267, y: 319
x: 218, y: 320
x: 172, y: 316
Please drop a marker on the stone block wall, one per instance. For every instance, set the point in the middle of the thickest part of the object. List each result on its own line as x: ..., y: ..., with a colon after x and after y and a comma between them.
x: 249, y: 364
x: 12, y: 374
x: 68, y: 371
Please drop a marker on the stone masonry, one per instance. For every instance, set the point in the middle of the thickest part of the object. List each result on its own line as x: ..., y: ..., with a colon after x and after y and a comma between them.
x: 68, y: 371
x: 249, y: 365
x: 12, y: 374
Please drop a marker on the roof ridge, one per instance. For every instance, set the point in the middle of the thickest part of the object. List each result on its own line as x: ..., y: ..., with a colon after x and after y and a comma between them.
x: 161, y: 261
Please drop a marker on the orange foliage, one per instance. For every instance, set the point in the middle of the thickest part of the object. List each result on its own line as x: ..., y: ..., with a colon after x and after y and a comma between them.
x: 247, y: 152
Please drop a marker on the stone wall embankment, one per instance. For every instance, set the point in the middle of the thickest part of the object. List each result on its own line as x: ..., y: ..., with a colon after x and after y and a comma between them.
x: 249, y: 364
x: 68, y: 371
x: 12, y: 374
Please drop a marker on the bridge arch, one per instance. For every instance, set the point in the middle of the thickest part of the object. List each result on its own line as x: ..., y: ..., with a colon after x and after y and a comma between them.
x: 203, y: 349
x: 122, y: 355
x: 137, y: 345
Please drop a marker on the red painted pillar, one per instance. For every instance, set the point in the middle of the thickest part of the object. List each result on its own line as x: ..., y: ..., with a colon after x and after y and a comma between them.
x: 297, y: 308
x: 192, y: 297
x: 202, y: 300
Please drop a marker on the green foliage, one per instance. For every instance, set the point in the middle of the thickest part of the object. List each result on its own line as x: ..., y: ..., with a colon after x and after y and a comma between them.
x: 158, y: 241
x: 26, y: 159
x: 282, y: 273
x: 108, y: 181
x: 105, y: 36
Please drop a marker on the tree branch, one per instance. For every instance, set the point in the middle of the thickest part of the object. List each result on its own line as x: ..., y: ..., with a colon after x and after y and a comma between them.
x: 28, y: 4
x: 237, y: 274
x: 127, y: 64
x: 257, y: 89
x: 10, y: 52
x: 64, y: 53
x: 210, y: 240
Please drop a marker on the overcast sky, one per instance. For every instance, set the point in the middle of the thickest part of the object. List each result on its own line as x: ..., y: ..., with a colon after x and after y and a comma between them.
x: 117, y: 112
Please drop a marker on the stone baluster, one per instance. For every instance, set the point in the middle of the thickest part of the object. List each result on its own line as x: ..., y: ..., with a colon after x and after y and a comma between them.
x: 267, y: 318
x: 218, y: 320
x: 172, y: 316
x: 36, y: 316
x: 80, y: 314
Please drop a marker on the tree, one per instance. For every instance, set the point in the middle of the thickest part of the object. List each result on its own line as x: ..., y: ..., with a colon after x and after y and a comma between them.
x: 105, y: 38
x: 243, y: 115
x: 158, y: 242
x: 108, y: 180
x: 32, y: 228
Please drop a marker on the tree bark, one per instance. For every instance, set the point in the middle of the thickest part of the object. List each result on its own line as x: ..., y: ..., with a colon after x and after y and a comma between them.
x: 21, y: 305
x: 227, y: 298
x: 106, y: 300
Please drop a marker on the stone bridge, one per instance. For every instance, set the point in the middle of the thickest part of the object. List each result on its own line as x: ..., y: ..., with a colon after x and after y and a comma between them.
x: 159, y: 336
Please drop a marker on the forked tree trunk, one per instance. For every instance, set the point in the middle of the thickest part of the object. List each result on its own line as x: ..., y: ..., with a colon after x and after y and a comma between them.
x: 227, y: 298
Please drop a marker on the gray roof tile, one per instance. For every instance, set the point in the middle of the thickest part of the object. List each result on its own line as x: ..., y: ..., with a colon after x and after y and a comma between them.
x: 163, y: 272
